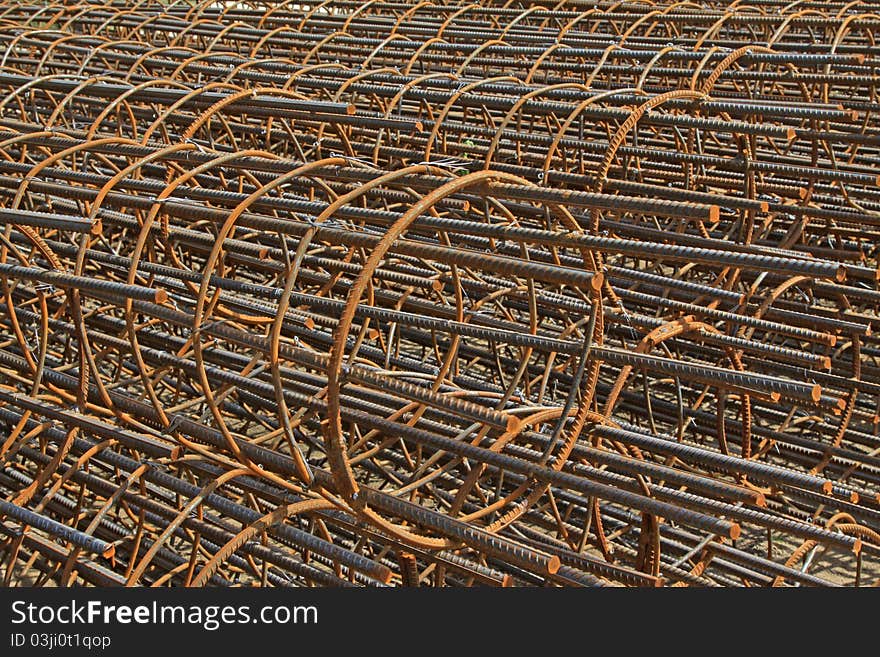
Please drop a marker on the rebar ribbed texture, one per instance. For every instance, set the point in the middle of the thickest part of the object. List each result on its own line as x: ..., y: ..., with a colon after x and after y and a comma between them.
x: 412, y: 294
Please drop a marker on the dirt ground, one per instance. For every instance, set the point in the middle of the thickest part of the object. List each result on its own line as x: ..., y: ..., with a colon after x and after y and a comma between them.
x: 832, y: 564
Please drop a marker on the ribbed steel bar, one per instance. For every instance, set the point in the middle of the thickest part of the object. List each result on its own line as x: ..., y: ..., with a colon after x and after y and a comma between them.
x: 398, y: 293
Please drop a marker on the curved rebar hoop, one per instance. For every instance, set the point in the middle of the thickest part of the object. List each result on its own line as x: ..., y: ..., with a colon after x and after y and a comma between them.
x: 336, y: 450
x: 493, y: 292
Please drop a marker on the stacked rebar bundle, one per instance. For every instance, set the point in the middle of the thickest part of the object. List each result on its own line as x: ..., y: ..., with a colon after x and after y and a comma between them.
x: 359, y: 294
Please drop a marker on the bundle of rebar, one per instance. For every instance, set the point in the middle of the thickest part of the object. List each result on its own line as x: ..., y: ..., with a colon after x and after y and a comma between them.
x: 396, y: 293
